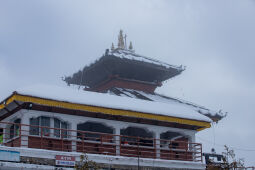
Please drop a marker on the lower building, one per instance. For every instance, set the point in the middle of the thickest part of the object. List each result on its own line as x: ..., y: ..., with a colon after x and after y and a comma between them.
x: 41, y: 122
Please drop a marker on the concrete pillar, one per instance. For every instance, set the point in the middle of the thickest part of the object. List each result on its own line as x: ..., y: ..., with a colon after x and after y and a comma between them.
x: 157, y: 143
x: 73, y: 135
x: 117, y: 140
x: 192, y: 139
x: 24, y: 130
x: 52, y: 126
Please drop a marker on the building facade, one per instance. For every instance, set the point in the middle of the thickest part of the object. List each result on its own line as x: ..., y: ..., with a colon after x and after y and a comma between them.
x: 110, y: 112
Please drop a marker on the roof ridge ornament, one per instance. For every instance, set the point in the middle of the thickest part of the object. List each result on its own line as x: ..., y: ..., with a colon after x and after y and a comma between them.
x: 121, y: 40
x: 122, y: 43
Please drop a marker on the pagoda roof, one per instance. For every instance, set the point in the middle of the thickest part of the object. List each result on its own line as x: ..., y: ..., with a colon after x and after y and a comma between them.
x: 67, y: 97
x: 124, y: 64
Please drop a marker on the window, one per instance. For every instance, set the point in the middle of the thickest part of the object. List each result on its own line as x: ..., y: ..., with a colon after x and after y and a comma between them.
x: 60, y: 125
x: 34, y: 129
x: 44, y: 121
x: 40, y: 121
x: 15, y: 129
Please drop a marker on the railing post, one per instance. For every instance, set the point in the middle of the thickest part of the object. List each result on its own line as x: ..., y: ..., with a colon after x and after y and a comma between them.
x: 138, y: 146
x: 201, y: 153
x: 118, y: 149
x: 186, y: 150
x: 138, y: 155
x: 82, y: 138
x: 155, y: 148
x: 41, y: 137
x: 101, y: 149
x: 62, y: 142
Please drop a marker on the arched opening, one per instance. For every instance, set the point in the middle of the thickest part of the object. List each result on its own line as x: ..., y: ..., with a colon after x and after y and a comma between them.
x: 136, y: 135
x: 90, y: 128
x: 174, y: 141
x: 170, y: 135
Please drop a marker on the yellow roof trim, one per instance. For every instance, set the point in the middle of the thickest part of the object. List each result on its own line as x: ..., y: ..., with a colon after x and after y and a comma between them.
x: 1, y: 106
x: 97, y: 109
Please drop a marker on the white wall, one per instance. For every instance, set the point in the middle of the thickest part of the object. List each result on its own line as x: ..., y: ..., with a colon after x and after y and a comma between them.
x: 73, y: 120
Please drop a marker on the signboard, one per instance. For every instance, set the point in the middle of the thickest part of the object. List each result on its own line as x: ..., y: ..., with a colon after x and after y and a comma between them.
x: 6, y: 155
x: 65, y: 160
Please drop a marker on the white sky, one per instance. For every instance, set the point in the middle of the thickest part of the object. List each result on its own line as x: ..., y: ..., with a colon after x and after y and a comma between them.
x: 41, y: 41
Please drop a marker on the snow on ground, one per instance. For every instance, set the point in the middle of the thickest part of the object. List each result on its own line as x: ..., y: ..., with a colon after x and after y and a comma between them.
x: 110, y: 101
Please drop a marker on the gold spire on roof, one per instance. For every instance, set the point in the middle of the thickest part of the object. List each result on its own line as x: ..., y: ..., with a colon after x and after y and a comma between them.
x: 122, y: 43
x: 121, y: 40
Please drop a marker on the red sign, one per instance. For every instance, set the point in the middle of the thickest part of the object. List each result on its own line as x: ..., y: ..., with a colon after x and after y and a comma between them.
x: 65, y: 160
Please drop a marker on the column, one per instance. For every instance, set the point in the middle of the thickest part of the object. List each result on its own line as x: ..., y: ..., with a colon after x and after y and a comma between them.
x: 51, y: 127
x: 157, y: 144
x: 191, y: 141
x: 73, y: 135
x: 24, y: 131
x: 117, y: 140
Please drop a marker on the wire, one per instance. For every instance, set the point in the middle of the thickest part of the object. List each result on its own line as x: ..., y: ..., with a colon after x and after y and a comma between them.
x: 236, y: 148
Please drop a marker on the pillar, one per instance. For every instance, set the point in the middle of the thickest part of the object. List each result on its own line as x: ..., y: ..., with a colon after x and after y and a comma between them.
x: 157, y: 144
x: 73, y: 135
x: 51, y: 127
x: 117, y: 140
x: 24, y: 131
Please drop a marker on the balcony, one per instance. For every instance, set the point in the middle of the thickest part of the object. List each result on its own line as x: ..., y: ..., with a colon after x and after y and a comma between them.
x: 40, y: 137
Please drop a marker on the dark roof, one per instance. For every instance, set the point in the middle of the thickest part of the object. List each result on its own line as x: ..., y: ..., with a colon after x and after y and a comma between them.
x: 124, y: 64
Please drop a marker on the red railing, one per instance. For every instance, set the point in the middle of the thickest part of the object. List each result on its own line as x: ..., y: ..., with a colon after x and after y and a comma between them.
x: 22, y: 135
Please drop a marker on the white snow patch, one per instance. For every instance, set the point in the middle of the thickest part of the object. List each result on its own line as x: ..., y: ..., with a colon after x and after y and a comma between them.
x: 110, y: 101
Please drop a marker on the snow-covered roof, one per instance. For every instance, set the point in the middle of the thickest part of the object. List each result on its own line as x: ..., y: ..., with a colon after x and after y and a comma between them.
x: 215, y: 115
x: 131, y: 55
x: 66, y: 94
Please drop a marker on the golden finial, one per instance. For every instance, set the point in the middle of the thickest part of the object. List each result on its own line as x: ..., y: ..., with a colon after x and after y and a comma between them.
x: 112, y: 48
x: 130, y: 46
x: 121, y: 40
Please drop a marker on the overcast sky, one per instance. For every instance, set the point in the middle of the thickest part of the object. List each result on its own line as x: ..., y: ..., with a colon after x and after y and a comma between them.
x: 41, y: 41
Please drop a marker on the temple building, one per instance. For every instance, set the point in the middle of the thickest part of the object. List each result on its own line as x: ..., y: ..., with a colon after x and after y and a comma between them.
x: 110, y: 111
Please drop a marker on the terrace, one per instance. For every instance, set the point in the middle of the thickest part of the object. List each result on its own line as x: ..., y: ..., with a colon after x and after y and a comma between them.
x: 66, y: 140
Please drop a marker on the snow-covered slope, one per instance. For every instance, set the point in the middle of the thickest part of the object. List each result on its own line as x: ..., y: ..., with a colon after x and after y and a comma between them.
x: 168, y: 100
x: 112, y: 101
